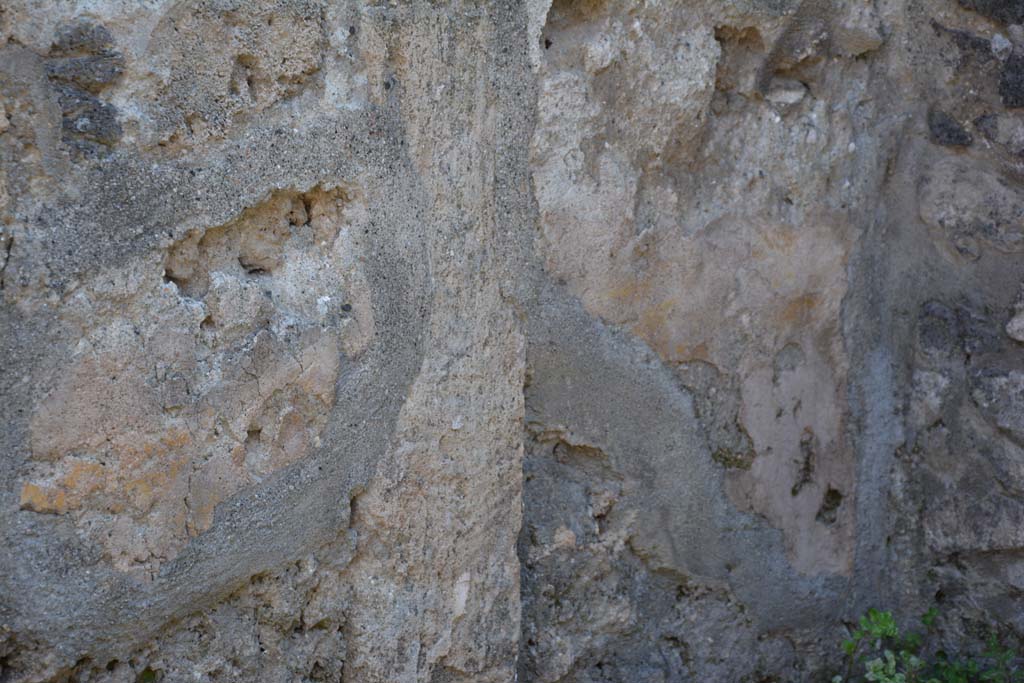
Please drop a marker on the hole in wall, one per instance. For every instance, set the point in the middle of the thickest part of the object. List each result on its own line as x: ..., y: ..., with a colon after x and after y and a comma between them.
x: 830, y: 504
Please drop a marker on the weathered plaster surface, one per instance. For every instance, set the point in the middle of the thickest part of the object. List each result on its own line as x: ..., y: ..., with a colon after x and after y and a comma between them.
x: 549, y: 340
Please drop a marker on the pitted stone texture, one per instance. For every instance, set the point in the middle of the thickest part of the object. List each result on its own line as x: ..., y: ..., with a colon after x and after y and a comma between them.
x: 275, y: 294
x: 255, y: 54
x: 200, y: 375
x: 688, y: 234
x: 593, y: 611
x: 287, y: 284
x: 280, y: 627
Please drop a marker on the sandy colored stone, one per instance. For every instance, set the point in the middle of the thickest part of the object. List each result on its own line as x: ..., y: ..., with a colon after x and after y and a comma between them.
x: 538, y: 340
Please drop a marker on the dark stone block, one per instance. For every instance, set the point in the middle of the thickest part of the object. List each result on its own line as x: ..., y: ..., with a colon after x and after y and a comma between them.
x: 1005, y: 11
x: 988, y: 124
x: 973, y: 49
x: 87, y: 117
x: 89, y: 73
x: 1011, y: 83
x: 81, y: 37
x: 946, y: 130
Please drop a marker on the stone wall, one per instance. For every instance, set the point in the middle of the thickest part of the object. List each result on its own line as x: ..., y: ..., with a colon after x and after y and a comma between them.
x: 537, y: 340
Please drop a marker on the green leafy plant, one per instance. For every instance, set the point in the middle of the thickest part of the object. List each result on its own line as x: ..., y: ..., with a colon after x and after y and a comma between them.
x: 878, y: 652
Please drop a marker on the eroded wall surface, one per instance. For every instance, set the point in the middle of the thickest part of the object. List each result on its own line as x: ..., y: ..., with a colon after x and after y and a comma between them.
x: 540, y: 340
